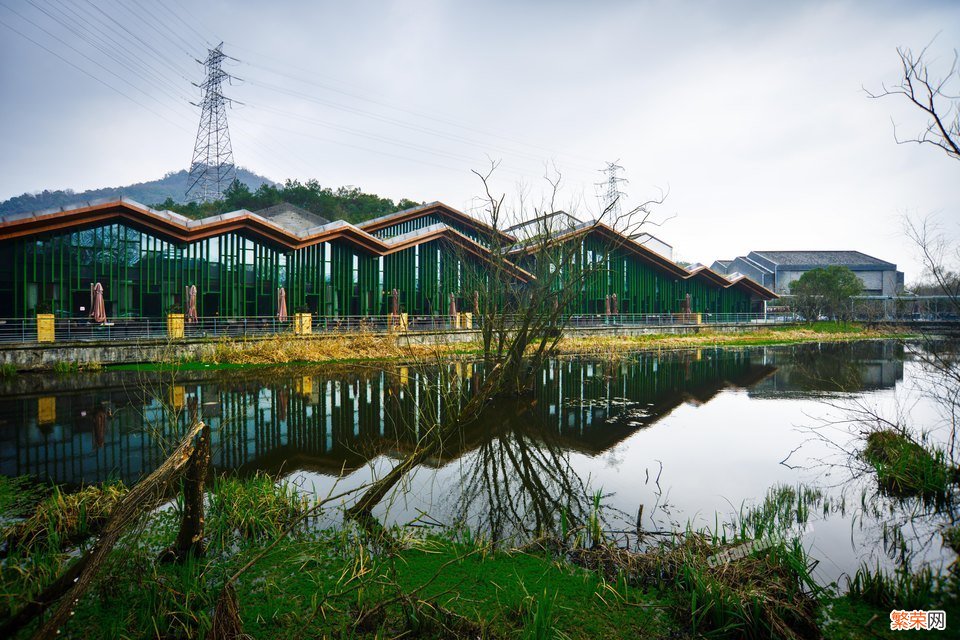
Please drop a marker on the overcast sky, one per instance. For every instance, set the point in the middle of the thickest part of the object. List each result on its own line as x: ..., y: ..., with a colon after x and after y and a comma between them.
x: 752, y: 114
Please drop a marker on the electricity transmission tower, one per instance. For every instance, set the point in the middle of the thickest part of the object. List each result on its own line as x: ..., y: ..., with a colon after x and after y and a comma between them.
x: 212, y: 169
x: 613, y: 196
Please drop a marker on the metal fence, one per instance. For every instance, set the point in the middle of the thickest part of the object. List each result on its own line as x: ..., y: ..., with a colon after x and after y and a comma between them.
x: 24, y: 330
x: 674, y: 319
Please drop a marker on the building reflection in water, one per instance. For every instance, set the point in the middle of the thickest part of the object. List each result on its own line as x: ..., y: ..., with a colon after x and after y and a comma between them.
x: 307, y: 420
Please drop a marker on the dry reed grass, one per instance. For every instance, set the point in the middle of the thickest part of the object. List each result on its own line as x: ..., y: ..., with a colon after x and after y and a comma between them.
x: 66, y: 517
x: 361, y: 346
x: 371, y: 346
x: 616, y: 347
x: 764, y: 595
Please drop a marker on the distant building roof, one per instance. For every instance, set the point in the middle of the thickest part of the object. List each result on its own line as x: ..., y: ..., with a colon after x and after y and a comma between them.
x: 546, y: 224
x: 644, y: 236
x: 821, y: 258
x: 291, y: 217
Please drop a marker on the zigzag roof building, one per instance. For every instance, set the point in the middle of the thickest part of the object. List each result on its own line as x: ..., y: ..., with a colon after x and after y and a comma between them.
x: 145, y: 258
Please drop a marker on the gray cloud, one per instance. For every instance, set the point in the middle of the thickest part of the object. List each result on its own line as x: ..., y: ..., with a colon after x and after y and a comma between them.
x: 752, y: 113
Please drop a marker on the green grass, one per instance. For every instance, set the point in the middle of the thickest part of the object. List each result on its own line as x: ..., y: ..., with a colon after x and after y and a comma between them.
x: 62, y: 367
x: 828, y: 326
x: 900, y: 590
x: 8, y: 370
x: 906, y: 468
x: 280, y: 597
x: 253, y: 508
x: 341, y: 583
x: 18, y: 496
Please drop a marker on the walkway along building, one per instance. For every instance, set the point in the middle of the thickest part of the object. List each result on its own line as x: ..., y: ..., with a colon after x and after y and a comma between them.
x: 146, y: 258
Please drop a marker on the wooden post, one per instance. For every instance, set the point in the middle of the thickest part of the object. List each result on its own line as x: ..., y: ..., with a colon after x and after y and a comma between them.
x: 189, y: 540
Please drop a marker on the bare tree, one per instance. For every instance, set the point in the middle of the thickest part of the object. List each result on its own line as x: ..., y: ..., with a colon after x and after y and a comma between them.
x: 522, y: 323
x: 939, y: 256
x: 938, y: 97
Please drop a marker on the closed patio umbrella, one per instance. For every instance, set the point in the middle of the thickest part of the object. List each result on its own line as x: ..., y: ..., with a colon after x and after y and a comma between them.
x: 453, y: 306
x: 99, y: 311
x: 614, y: 304
x: 395, y: 302
x: 191, y: 303
x: 606, y: 308
x: 281, y: 305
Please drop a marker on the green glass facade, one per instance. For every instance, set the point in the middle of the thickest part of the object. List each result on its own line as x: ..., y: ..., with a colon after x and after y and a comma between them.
x: 145, y: 276
x: 237, y: 273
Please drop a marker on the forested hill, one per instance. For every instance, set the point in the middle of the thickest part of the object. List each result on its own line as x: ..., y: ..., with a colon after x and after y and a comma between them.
x: 173, y: 186
x: 250, y: 191
x: 343, y: 203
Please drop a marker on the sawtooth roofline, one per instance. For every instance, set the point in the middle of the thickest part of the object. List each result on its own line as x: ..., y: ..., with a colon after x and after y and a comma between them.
x: 652, y: 257
x: 179, y: 228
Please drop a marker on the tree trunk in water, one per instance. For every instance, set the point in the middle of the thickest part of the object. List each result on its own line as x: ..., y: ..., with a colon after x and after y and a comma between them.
x: 190, y: 538
x: 144, y: 497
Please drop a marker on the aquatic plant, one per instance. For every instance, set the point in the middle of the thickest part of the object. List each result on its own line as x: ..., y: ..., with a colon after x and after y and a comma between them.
x: 62, y: 367
x: 905, y: 467
x: 8, y: 370
x: 537, y: 614
x: 255, y: 507
x: 768, y: 594
x: 902, y: 589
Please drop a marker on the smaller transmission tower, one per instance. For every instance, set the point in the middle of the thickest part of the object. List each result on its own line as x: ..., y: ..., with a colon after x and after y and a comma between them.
x: 612, y: 196
x: 212, y: 169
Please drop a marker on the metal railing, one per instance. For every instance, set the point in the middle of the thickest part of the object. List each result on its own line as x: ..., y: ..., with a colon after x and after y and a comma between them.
x: 24, y: 330
x: 673, y: 319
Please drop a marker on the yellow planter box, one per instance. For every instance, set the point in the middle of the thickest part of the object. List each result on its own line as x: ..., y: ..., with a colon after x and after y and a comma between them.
x: 302, y: 324
x: 466, y: 320
x: 399, y: 322
x: 304, y: 386
x: 45, y: 330
x: 174, y: 326
x: 178, y: 396
x: 46, y: 410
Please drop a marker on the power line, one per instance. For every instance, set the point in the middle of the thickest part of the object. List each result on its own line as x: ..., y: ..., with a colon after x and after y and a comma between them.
x: 87, y: 73
x: 88, y: 35
x: 436, y: 118
x: 369, y: 136
x: 392, y: 121
x: 81, y: 53
x: 189, y: 26
x: 181, y: 71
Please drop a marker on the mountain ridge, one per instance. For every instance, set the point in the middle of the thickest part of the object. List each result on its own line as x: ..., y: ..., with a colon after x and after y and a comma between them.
x: 172, y: 185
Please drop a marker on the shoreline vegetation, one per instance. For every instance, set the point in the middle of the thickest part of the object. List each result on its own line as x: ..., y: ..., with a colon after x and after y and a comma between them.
x: 370, y: 348
x: 323, y: 580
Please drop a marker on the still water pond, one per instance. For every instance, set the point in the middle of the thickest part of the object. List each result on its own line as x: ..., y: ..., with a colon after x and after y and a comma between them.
x: 694, y: 437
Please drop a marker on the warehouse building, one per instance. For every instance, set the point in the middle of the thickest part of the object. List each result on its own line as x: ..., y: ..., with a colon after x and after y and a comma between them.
x: 416, y: 260
x: 775, y: 270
